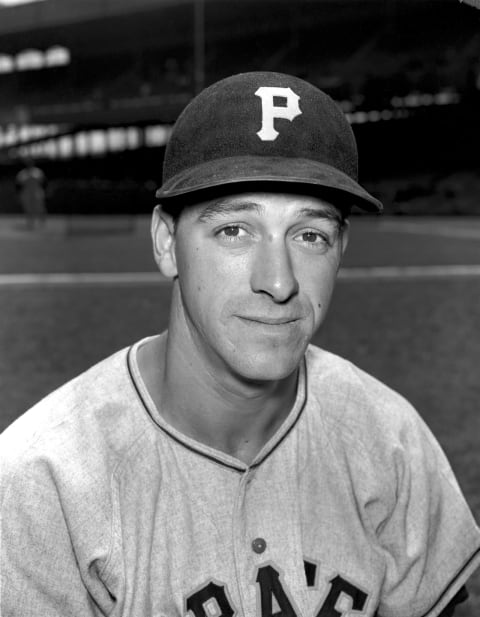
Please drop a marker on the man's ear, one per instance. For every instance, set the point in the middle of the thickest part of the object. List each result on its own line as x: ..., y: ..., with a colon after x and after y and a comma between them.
x: 163, y: 239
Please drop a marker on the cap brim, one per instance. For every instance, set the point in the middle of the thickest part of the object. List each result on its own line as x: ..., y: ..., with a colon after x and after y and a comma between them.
x: 318, y: 178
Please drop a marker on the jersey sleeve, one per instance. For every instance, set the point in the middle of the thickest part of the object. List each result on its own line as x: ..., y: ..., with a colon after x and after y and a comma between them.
x: 430, y: 541
x: 40, y: 568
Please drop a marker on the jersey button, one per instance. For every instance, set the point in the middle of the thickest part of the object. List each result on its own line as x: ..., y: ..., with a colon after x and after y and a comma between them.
x: 259, y: 545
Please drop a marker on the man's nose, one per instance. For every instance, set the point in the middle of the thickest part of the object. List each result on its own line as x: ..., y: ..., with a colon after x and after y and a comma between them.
x: 273, y: 272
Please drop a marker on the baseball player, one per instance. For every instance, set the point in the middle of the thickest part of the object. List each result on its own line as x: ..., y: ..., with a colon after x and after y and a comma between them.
x: 227, y: 467
x: 30, y: 183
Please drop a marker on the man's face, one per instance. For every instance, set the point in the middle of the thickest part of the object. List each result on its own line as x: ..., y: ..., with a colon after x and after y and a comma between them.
x: 256, y: 273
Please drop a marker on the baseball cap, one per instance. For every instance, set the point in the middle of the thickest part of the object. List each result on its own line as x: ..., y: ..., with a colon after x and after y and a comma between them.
x: 263, y: 128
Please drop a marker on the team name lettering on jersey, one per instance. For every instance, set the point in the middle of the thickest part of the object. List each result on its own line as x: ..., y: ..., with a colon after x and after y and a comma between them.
x: 202, y: 600
x: 270, y: 111
x: 274, y: 599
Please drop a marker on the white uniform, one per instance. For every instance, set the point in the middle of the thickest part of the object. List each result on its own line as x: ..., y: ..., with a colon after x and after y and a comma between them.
x: 351, y: 508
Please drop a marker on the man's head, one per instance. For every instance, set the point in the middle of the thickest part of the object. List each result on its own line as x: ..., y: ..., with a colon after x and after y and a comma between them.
x: 263, y: 168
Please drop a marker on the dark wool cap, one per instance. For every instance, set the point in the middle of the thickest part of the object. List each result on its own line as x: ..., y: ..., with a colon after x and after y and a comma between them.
x: 264, y: 129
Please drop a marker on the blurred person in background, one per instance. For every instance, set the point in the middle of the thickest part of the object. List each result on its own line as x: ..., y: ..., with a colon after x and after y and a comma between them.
x: 31, y: 183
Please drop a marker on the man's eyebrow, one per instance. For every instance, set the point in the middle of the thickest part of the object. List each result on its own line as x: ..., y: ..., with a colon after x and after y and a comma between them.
x: 219, y: 208
x: 323, y: 213
x: 225, y: 208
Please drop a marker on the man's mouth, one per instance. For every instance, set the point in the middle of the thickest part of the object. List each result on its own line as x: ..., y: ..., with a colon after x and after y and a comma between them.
x: 269, y: 321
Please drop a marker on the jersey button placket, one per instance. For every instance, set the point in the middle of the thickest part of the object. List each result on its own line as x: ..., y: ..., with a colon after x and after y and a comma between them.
x: 243, y: 547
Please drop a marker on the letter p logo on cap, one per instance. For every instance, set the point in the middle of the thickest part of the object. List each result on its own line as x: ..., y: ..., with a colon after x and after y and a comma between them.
x: 270, y: 111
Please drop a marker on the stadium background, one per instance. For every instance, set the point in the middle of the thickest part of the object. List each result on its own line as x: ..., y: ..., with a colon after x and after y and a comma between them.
x: 91, y: 88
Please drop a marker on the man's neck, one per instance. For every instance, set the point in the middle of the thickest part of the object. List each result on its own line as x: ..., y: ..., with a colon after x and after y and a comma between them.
x: 214, y: 407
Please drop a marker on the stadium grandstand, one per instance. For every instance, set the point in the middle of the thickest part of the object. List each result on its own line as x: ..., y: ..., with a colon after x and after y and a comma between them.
x: 90, y: 89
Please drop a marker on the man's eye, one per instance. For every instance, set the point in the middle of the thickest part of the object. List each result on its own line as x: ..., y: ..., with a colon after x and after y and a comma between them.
x: 310, y: 236
x: 313, y: 238
x: 231, y: 233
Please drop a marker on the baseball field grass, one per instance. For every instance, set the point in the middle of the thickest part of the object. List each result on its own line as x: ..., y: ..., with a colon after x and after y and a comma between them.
x: 417, y: 330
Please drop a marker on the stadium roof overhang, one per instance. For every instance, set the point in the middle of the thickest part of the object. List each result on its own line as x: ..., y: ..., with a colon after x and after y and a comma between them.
x: 134, y: 23
x: 48, y: 13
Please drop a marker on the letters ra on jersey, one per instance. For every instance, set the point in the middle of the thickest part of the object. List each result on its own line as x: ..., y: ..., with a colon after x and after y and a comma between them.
x: 274, y: 600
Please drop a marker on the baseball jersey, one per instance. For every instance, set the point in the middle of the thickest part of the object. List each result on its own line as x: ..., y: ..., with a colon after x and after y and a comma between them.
x: 349, y: 510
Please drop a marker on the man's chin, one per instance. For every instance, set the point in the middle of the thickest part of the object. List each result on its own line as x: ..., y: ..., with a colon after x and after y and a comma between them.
x: 268, y: 367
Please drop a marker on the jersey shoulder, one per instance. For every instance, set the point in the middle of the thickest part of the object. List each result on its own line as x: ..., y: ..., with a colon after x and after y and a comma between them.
x: 96, y: 414
x: 349, y: 387
x: 374, y: 437
x: 360, y: 413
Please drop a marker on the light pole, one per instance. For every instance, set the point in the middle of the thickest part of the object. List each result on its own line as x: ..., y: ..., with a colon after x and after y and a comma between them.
x: 199, y: 46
